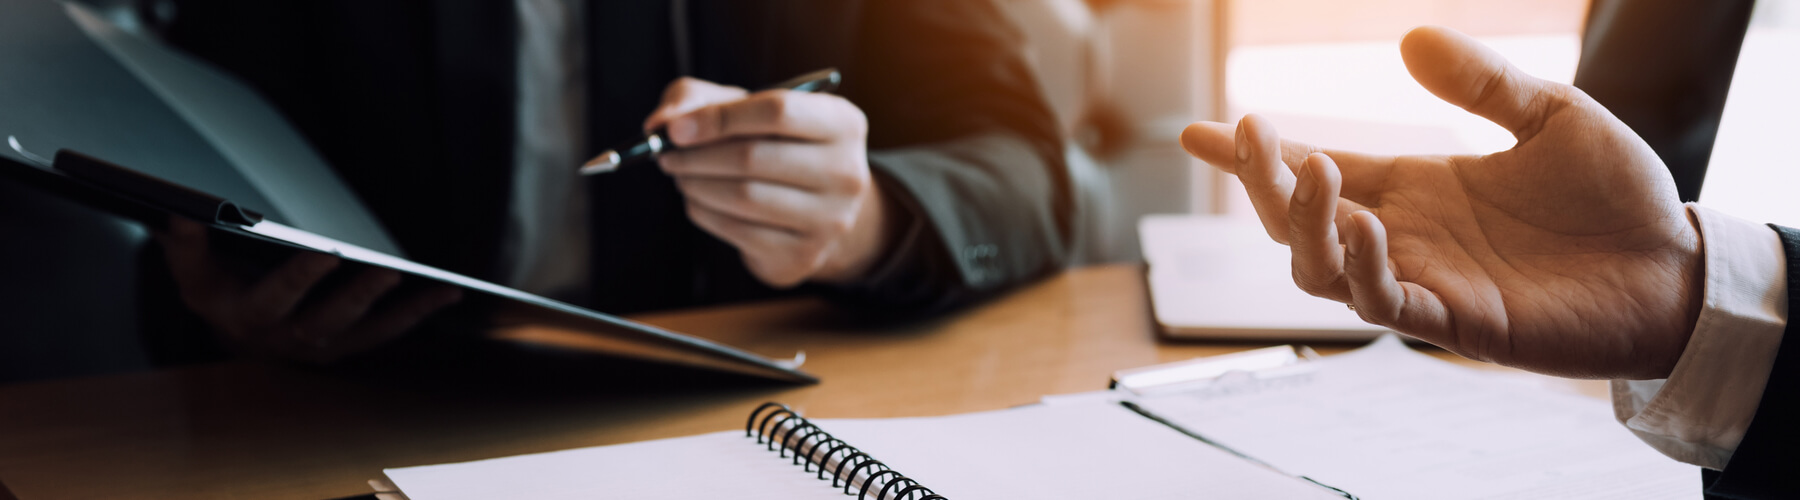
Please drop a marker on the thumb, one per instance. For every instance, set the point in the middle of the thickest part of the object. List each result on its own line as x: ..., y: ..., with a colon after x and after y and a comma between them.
x: 1462, y: 71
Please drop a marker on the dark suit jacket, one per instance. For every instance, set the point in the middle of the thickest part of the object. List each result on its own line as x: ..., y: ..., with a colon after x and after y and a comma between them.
x: 412, y: 102
x: 1765, y: 461
x: 1664, y: 67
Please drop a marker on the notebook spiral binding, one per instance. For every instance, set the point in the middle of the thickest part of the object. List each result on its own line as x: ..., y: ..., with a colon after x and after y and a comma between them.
x: 784, y: 430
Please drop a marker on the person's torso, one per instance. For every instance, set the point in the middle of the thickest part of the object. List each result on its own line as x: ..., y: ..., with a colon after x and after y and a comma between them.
x: 415, y: 105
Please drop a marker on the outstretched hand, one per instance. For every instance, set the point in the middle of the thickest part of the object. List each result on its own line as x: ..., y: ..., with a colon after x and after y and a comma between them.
x: 1569, y: 254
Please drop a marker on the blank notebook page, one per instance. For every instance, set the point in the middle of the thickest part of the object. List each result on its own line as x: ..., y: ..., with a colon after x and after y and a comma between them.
x: 1047, y: 452
x: 1073, y: 451
x: 1386, y: 422
x: 718, y: 465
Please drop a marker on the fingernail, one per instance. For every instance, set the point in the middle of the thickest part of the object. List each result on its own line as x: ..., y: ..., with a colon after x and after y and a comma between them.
x: 656, y: 117
x: 1243, y: 144
x: 1304, y: 190
x: 682, y: 130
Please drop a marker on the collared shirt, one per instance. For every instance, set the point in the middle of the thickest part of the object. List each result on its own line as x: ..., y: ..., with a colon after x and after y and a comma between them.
x: 1700, y: 413
x: 547, y: 233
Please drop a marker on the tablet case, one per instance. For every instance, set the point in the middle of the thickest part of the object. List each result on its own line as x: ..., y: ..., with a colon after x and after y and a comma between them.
x: 195, y: 138
x: 512, y: 314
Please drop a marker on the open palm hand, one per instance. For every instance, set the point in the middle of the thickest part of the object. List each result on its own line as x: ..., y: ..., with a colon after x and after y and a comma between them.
x: 1569, y: 254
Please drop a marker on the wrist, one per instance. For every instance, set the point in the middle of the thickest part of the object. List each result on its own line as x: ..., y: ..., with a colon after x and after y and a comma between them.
x: 866, y: 243
x: 1701, y: 412
x: 1691, y: 251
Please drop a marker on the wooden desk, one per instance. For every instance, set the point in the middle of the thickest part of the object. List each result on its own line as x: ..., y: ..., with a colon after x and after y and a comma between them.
x: 251, y: 430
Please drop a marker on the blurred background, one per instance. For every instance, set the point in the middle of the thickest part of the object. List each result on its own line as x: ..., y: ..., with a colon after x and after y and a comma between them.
x: 1123, y: 77
x: 1126, y: 75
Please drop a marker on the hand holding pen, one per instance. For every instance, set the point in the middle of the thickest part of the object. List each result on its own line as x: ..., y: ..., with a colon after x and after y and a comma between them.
x: 781, y: 174
x: 656, y: 140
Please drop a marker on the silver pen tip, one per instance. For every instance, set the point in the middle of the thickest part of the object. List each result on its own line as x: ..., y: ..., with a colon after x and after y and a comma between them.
x: 606, y: 162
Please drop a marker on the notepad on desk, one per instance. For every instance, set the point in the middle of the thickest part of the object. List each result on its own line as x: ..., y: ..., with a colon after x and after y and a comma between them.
x: 1388, y: 422
x: 1218, y: 277
x: 1382, y: 422
x: 1040, y: 452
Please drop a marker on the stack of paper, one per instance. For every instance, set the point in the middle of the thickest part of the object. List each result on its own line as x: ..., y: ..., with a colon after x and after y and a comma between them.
x: 1386, y: 422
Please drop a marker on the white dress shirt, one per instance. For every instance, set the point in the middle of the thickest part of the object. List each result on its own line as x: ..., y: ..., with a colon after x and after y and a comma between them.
x: 547, y: 232
x: 1699, y: 414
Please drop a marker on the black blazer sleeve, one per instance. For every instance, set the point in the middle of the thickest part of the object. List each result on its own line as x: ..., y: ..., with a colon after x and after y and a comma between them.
x: 1765, y: 461
x: 963, y: 143
x: 1668, y: 89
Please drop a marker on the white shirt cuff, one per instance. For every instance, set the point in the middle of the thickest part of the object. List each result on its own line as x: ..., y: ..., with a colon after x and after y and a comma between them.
x: 1699, y: 414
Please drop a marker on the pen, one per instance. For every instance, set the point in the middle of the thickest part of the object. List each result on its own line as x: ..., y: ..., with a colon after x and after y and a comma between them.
x: 657, y: 141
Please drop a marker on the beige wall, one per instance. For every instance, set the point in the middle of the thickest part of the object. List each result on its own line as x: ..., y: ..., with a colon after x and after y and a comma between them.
x: 1263, y: 22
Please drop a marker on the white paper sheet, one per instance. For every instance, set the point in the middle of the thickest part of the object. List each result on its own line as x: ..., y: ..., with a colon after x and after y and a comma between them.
x: 324, y: 244
x: 1385, y: 422
x: 718, y: 465
x: 1223, y: 278
x: 355, y: 253
x: 1068, y: 451
x: 1072, y: 451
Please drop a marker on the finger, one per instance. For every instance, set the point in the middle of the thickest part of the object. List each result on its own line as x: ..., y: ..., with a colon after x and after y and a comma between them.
x: 274, y: 296
x: 189, y: 258
x: 1380, y: 299
x: 1266, y: 179
x: 1463, y: 72
x: 777, y: 257
x: 1318, y: 264
x: 768, y: 204
x: 184, y: 242
x: 345, y: 305
x: 283, y: 341
x: 686, y: 94
x: 781, y: 113
x: 799, y: 164
x: 388, y: 322
x: 1363, y: 174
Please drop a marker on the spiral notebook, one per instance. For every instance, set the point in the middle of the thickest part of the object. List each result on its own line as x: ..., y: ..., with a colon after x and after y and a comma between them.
x: 1098, y: 450
x: 1382, y: 421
